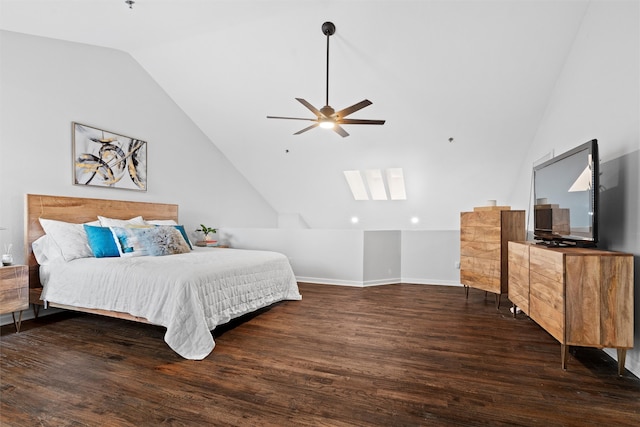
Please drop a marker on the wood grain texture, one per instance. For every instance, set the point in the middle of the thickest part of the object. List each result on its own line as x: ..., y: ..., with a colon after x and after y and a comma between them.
x: 484, y: 235
x: 518, y: 258
x: 583, y: 305
x: 547, y: 291
x: 546, y: 304
x: 14, y: 293
x: 581, y: 296
x: 397, y: 355
x: 616, y: 301
x: 491, y: 208
x: 547, y: 262
x: 512, y: 229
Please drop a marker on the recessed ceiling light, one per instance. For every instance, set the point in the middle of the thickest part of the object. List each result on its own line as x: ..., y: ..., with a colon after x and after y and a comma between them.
x: 354, y: 220
x: 415, y: 220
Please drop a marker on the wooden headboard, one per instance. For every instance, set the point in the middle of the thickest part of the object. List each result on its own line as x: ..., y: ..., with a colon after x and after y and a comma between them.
x: 79, y: 210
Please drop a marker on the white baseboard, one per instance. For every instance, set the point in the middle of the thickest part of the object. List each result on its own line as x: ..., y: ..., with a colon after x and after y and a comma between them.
x: 355, y: 283
x: 430, y: 281
x: 322, y: 281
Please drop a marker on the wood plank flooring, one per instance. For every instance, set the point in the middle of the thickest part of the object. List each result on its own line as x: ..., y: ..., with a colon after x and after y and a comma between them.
x: 397, y: 355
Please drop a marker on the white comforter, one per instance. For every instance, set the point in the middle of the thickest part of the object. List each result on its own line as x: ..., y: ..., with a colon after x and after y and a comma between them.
x: 189, y: 294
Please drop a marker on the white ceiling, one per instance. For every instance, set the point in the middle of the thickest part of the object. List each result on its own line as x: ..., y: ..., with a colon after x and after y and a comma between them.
x: 479, y: 71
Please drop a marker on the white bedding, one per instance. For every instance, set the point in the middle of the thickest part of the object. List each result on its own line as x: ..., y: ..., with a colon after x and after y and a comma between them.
x: 189, y: 294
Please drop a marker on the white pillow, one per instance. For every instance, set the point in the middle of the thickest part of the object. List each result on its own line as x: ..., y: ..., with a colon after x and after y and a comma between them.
x: 46, y: 251
x: 112, y: 222
x: 70, y: 238
x: 162, y: 222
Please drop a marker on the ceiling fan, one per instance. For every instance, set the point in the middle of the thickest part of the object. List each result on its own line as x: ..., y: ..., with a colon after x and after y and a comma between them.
x: 326, y: 116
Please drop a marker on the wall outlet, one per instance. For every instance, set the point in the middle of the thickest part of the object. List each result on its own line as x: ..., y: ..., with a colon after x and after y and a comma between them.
x: 457, y: 265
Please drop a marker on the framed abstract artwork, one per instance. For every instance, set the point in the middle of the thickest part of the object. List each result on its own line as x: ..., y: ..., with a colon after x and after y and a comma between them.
x: 106, y: 159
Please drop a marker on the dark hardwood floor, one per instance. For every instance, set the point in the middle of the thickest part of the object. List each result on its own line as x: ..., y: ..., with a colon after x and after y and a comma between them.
x: 398, y: 355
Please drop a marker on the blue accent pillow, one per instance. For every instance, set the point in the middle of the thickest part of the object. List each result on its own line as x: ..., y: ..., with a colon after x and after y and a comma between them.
x: 101, y: 241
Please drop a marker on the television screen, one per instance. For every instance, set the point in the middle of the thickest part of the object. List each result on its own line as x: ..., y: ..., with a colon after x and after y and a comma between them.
x: 566, y: 197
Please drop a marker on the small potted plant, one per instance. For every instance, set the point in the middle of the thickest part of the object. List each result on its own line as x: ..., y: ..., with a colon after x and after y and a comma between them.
x: 206, y: 231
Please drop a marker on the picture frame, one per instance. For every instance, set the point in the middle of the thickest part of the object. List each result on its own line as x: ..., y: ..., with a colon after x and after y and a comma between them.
x: 107, y: 159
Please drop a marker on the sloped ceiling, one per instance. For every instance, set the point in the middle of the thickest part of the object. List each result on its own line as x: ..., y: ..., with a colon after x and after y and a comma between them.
x: 480, y: 72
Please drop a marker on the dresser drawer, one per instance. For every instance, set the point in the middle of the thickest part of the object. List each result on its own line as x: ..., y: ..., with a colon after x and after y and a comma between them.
x: 14, y: 288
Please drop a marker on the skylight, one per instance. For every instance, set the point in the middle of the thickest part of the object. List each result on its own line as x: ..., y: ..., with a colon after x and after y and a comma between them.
x: 356, y: 184
x: 375, y: 184
x: 395, y: 180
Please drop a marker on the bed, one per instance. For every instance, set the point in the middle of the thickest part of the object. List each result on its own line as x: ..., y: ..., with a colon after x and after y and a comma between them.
x: 188, y: 293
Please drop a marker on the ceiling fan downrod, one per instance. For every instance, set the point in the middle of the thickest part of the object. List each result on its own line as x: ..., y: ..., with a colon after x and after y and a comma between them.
x: 328, y: 29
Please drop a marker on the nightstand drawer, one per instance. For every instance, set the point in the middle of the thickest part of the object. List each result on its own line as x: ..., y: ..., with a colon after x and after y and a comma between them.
x: 14, y: 288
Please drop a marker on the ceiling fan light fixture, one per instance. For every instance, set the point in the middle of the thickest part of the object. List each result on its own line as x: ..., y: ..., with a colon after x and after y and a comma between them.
x: 327, y: 124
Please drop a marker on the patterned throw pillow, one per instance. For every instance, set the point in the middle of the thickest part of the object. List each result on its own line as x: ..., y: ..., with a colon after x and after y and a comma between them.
x: 149, y: 241
x: 182, y: 231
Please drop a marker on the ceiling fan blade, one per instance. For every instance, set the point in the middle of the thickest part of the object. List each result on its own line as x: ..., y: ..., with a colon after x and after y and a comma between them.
x: 306, y: 129
x: 290, y: 118
x: 355, y: 107
x: 313, y: 109
x: 360, y: 122
x: 340, y: 131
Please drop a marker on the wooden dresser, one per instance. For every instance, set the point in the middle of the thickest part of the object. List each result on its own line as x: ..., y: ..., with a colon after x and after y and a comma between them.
x: 582, y: 297
x: 484, y: 234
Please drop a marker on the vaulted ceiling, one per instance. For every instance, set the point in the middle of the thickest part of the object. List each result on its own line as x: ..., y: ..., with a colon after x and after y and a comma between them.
x: 480, y: 72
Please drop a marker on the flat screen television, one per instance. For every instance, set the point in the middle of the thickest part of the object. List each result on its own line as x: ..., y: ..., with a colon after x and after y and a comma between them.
x: 566, y: 197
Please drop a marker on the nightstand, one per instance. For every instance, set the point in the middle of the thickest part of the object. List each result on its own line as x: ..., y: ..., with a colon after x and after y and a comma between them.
x: 14, y: 291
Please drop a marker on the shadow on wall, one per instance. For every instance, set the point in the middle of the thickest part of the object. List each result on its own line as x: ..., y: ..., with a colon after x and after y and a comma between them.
x: 619, y: 224
x: 619, y: 203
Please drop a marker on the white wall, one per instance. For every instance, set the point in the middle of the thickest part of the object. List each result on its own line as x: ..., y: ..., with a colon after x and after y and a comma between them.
x: 382, y: 254
x: 597, y: 93
x: 598, y: 96
x: 46, y: 84
x: 316, y: 256
x: 430, y: 257
x: 357, y: 257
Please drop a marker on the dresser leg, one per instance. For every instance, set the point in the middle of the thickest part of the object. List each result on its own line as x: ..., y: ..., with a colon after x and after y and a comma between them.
x: 19, y: 322
x: 622, y: 355
x: 564, y: 354
x: 36, y: 310
x: 466, y: 291
x: 498, y: 301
